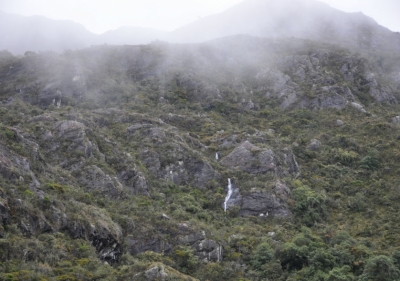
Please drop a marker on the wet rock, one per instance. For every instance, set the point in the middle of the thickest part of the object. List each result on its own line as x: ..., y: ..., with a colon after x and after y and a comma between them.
x: 263, y: 203
x: 314, y: 145
x: 235, y: 199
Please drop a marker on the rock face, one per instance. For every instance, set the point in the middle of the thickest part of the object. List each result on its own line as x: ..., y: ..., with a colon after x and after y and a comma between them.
x: 267, y: 203
x: 137, y: 246
x: 96, y: 226
x: 263, y: 203
x: 94, y: 179
x: 254, y: 160
x: 205, y: 249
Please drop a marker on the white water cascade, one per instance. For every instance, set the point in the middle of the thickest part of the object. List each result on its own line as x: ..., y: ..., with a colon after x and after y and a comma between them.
x: 216, y: 156
x: 228, y: 196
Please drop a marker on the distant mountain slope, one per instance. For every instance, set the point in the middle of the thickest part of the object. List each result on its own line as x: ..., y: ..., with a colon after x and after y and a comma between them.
x: 20, y: 34
x: 129, y: 35
x: 306, y: 19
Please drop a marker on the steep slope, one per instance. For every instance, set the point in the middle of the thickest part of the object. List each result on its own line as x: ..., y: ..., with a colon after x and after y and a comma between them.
x: 115, y: 162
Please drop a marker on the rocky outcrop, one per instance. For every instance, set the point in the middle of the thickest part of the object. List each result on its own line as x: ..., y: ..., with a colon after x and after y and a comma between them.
x: 254, y: 160
x: 381, y: 94
x: 72, y: 134
x: 50, y: 95
x: 95, y: 225
x: 94, y: 179
x: 358, y: 106
x: 263, y: 202
x: 267, y: 203
x: 137, y: 246
x: 205, y: 249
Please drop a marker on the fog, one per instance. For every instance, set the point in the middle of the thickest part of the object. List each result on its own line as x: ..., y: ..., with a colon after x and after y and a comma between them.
x: 99, y: 16
x: 76, y: 24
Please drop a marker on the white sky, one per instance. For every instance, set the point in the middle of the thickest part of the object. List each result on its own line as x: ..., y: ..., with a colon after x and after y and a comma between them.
x: 101, y: 15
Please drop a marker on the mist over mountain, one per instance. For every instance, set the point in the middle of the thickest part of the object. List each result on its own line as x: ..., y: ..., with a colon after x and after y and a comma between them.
x: 36, y: 33
x: 307, y: 19
x: 253, y: 155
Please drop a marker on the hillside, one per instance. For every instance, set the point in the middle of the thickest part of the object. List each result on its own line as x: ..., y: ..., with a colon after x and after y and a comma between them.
x: 116, y: 162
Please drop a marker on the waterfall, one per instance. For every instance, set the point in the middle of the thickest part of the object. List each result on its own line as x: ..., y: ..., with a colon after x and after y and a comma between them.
x: 217, y: 156
x: 228, y: 196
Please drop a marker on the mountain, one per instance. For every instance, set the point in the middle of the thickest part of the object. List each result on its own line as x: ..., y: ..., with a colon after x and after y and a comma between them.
x: 240, y: 158
x: 20, y: 34
x: 131, y: 36
x: 307, y: 19
x: 291, y: 18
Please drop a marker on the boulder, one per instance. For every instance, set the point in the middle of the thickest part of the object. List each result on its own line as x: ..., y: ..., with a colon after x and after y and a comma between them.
x: 358, y: 107
x: 254, y: 160
x: 314, y: 145
x: 339, y: 123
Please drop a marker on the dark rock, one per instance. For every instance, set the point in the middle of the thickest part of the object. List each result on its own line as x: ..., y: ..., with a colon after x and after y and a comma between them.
x: 137, y: 246
x: 205, y: 249
x: 95, y: 225
x: 267, y: 203
x: 134, y: 181
x: 4, y: 212
x: 50, y: 94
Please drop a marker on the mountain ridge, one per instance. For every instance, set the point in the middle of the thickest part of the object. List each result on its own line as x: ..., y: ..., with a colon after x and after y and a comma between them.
x: 317, y: 21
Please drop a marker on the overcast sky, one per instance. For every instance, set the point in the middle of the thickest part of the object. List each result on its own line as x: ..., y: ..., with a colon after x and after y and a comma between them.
x: 101, y: 15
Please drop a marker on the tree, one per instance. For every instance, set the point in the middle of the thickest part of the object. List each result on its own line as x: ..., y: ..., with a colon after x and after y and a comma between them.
x: 380, y: 268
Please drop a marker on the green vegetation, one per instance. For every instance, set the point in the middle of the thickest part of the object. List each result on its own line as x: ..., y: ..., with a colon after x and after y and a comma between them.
x: 122, y: 179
